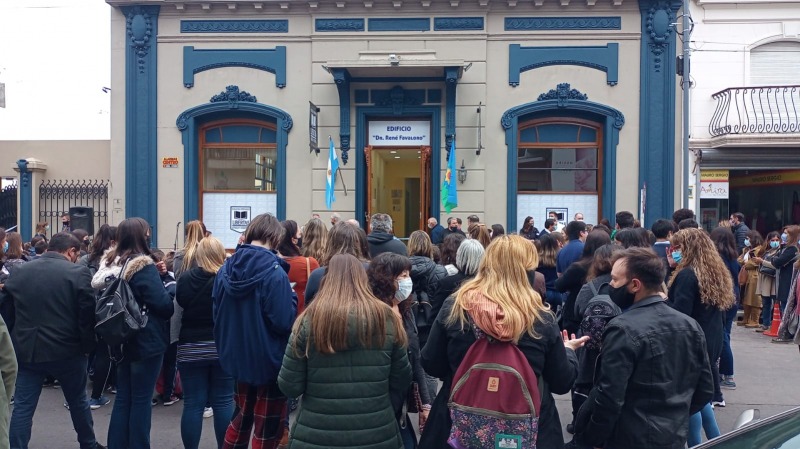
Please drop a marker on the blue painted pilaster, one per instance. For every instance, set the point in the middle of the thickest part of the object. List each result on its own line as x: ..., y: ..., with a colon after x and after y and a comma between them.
x: 141, y: 151
x: 451, y: 82
x: 25, y: 201
x: 342, y: 79
x: 657, y: 107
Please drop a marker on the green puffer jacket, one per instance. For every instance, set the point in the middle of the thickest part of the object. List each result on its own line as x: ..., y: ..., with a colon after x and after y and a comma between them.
x: 346, y: 395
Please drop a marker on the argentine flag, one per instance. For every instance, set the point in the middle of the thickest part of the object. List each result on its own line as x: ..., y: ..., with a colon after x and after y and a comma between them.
x: 333, y: 167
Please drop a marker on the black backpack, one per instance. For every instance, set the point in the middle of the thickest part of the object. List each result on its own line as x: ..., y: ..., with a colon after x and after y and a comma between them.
x: 117, y: 314
x: 599, y: 311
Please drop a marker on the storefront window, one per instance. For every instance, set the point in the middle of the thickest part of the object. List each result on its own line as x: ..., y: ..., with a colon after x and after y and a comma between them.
x: 239, y: 157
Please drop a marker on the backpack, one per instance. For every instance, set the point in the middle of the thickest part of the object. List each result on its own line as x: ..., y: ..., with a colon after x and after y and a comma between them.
x: 495, y: 398
x: 599, y: 311
x: 117, y: 314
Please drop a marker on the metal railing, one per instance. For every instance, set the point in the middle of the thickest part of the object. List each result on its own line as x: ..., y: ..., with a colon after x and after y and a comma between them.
x: 57, y: 196
x: 8, y: 207
x: 756, y: 110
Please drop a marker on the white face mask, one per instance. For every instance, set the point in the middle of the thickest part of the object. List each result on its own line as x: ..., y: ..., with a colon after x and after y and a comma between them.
x: 404, y: 287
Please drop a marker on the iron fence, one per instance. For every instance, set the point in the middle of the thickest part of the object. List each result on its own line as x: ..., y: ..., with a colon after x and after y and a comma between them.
x: 756, y: 110
x: 57, y: 196
x: 8, y: 206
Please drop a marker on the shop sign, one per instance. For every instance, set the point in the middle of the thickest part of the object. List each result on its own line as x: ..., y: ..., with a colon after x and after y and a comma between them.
x: 240, y: 218
x: 768, y: 178
x: 169, y: 162
x: 399, y: 133
x: 714, y: 184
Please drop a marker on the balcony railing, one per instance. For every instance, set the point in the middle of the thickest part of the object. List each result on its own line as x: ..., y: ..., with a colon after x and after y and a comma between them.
x: 756, y: 110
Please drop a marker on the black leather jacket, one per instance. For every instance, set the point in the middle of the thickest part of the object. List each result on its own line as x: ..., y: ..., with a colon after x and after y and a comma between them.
x: 653, y: 374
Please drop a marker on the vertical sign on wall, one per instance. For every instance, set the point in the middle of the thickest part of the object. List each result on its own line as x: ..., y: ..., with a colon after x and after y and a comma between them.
x: 313, y: 127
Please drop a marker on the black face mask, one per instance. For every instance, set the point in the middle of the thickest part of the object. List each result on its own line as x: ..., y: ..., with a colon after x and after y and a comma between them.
x: 300, y: 242
x: 453, y: 228
x: 621, y: 296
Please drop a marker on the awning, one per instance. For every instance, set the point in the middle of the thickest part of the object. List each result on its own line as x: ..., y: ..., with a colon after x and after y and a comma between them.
x: 751, y: 158
x: 393, y: 64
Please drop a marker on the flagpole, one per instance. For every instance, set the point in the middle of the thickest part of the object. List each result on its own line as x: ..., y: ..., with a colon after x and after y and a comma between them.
x: 340, y: 177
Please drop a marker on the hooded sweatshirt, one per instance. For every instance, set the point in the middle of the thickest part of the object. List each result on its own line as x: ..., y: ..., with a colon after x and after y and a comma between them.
x: 254, y: 309
x: 383, y: 242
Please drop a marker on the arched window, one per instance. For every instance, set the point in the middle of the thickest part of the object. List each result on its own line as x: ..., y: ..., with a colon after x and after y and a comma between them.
x: 238, y: 156
x: 775, y: 64
x: 558, y: 167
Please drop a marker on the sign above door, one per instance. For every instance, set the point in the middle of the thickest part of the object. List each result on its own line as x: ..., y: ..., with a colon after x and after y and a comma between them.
x: 399, y: 133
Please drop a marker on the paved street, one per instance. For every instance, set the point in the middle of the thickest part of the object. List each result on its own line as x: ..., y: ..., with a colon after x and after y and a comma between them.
x: 765, y: 375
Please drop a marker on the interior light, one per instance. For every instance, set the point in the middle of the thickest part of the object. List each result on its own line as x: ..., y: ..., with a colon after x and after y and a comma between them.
x: 397, y: 157
x: 393, y: 152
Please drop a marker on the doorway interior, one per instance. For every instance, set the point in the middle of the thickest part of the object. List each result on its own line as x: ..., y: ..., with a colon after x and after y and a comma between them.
x: 399, y: 185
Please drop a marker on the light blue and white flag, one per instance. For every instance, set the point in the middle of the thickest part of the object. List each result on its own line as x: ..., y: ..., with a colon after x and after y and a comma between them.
x: 333, y: 167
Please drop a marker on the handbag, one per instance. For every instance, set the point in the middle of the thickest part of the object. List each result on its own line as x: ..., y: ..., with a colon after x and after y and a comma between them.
x: 742, y: 276
x: 117, y: 314
x: 414, y: 400
x: 767, y: 271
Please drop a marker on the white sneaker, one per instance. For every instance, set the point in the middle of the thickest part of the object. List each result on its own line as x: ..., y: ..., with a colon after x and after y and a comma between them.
x: 208, y: 412
x: 718, y: 403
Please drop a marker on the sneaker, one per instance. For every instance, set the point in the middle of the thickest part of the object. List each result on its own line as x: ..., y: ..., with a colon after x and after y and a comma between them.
x: 66, y: 406
x: 718, y: 403
x: 172, y: 399
x: 111, y: 389
x: 208, y: 412
x: 94, y: 404
x: 781, y: 340
x: 99, y: 446
x: 727, y: 385
x: 12, y: 400
x: 154, y: 402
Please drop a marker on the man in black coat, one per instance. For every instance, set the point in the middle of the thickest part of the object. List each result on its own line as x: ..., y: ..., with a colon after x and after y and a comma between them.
x: 53, y: 332
x: 653, y: 369
x: 739, y: 229
x: 381, y: 240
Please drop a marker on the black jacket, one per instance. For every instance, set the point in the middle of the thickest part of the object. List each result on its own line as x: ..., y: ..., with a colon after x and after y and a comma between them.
x: 444, y: 288
x: 740, y: 232
x: 425, y: 275
x: 51, y: 320
x: 653, y: 374
x: 193, y: 293
x: 571, y: 281
x: 382, y: 242
x: 550, y: 360
x: 684, y: 296
x: 784, y: 263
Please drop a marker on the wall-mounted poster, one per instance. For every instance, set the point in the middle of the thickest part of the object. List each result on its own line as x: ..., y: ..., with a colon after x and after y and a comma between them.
x: 562, y: 213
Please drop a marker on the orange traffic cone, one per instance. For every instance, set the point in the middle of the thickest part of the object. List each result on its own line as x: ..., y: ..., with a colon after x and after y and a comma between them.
x: 776, y: 320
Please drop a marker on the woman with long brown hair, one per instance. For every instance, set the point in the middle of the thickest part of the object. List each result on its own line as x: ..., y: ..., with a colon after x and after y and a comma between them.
x: 500, y: 301
x: 347, y: 357
x: 315, y: 239
x: 343, y: 238
x: 789, y: 301
x: 701, y: 288
x: 749, y: 259
x: 480, y: 233
x: 300, y: 267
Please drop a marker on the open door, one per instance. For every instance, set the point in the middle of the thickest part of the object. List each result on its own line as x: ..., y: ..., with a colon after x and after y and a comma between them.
x: 368, y: 209
x: 425, y: 186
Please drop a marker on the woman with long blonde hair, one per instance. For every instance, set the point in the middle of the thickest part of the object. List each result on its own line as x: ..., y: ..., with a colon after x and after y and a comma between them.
x: 315, y: 239
x: 184, y: 259
x: 349, y: 339
x: 500, y: 301
x: 702, y: 288
x: 203, y: 379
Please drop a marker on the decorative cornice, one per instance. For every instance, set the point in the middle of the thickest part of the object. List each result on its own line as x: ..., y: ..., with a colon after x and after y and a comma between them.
x: 285, y: 120
x: 658, y: 25
x: 268, y: 60
x: 562, y: 93
x: 231, y: 94
x: 509, y: 117
x: 399, y: 24
x: 139, y: 26
x: 605, y: 59
x: 329, y: 25
x: 562, y: 23
x: 234, y: 26
x: 457, y: 23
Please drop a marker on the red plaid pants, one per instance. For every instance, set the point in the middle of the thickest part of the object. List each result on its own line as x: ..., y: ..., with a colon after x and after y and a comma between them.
x: 261, y: 405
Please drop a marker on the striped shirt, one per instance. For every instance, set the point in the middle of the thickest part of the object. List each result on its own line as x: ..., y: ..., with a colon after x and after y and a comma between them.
x: 200, y: 351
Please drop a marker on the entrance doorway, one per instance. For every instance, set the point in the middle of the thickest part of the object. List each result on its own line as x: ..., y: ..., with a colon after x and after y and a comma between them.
x: 398, y: 184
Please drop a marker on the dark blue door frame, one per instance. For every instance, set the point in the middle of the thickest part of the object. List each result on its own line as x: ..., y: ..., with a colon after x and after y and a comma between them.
x: 364, y: 113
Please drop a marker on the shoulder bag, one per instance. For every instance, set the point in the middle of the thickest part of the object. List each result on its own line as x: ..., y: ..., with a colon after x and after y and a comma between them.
x: 117, y: 313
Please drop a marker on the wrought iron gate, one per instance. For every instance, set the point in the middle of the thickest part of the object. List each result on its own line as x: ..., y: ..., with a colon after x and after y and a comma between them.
x: 57, y: 196
x: 8, y: 207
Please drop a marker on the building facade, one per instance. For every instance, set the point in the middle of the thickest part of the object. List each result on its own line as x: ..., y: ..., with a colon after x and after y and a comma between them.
x: 746, y: 111
x: 223, y: 110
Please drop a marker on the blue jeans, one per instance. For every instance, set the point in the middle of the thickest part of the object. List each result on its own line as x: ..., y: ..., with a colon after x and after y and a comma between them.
x: 203, y: 383
x: 726, y: 358
x: 766, y: 311
x: 130, y: 419
x: 72, y: 375
x: 705, y: 420
x: 408, y: 435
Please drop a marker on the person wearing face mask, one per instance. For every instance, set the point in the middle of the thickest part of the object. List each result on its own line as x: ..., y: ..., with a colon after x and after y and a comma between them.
x: 452, y: 228
x: 300, y: 267
x: 437, y: 231
x: 767, y: 287
x: 390, y: 282
x: 702, y: 289
x: 648, y: 341
x: 52, y: 328
x: 750, y: 260
x: 787, y: 266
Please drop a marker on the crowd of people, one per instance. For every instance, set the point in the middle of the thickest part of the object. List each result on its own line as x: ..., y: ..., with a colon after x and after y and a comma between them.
x: 356, y: 333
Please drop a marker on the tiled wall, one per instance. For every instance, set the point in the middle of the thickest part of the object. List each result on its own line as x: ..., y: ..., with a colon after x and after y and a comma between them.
x: 536, y: 205
x: 217, y: 212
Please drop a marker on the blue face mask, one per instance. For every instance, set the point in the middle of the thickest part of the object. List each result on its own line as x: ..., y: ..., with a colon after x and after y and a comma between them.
x: 784, y: 237
x: 774, y: 245
x: 746, y: 242
x: 677, y: 256
x: 5, y: 247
